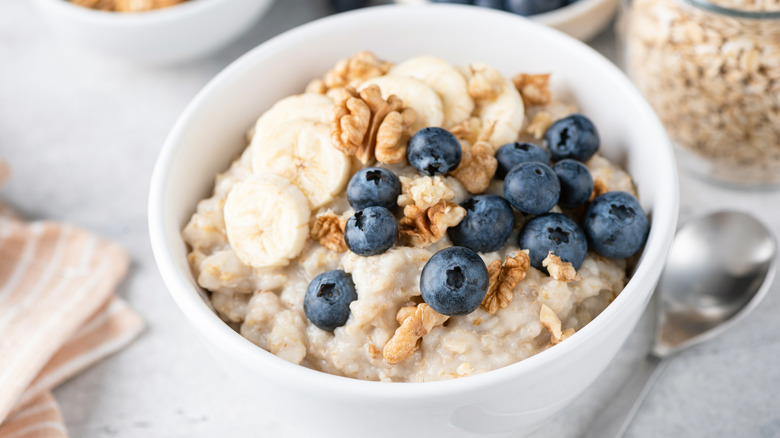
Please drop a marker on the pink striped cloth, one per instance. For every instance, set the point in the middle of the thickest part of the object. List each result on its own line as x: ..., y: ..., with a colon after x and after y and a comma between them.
x: 58, y: 316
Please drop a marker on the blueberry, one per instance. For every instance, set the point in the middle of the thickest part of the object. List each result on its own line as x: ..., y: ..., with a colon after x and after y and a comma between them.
x: 557, y: 233
x: 572, y: 137
x: 576, y: 183
x: 532, y: 188
x: 486, y: 227
x: 327, y: 299
x: 434, y: 151
x: 495, y: 4
x: 373, y: 186
x: 616, y: 225
x: 532, y: 7
x: 512, y: 154
x: 454, y: 281
x: 371, y: 231
x: 347, y: 5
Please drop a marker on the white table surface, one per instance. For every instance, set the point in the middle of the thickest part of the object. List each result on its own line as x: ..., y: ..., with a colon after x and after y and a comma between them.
x: 82, y: 133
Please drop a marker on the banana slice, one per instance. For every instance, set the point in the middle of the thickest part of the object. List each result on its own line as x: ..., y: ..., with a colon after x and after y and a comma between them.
x: 415, y: 94
x: 445, y: 80
x: 301, y: 151
x: 506, y: 110
x: 267, y: 220
x: 307, y: 106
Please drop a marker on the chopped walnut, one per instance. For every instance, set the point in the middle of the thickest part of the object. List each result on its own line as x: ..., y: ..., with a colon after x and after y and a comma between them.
x: 485, y: 82
x: 535, y: 89
x: 422, y: 227
x: 328, y: 229
x: 552, y: 323
x: 502, y: 280
x: 468, y: 129
x: 365, y: 125
x: 478, y: 164
x: 558, y: 269
x: 316, y: 86
x: 539, y: 124
x: 354, y: 71
x: 600, y: 187
x: 416, y: 322
x: 424, y: 191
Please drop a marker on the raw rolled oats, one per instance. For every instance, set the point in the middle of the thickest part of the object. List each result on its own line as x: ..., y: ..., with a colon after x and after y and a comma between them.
x: 714, y: 80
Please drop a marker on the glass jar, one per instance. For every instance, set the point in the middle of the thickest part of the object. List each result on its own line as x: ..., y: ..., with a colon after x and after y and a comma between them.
x: 711, y: 70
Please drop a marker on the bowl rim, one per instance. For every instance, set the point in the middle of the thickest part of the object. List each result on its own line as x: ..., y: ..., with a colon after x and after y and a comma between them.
x: 663, y: 221
x: 129, y: 19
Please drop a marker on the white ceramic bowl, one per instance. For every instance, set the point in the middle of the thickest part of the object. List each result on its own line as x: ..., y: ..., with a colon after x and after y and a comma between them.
x: 510, y: 400
x: 167, y: 35
x: 583, y: 19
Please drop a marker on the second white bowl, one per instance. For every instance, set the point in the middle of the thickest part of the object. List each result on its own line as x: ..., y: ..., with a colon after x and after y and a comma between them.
x: 169, y: 35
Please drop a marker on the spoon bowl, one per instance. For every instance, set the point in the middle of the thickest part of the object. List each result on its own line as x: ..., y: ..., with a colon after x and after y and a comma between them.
x: 719, y: 267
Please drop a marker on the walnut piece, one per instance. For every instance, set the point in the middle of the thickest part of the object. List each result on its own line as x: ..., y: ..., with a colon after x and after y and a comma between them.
x: 478, y: 164
x: 558, y: 269
x: 502, y: 280
x: 422, y: 227
x: 424, y: 191
x: 416, y: 322
x: 599, y: 187
x: 468, y: 129
x: 366, y: 125
x: 484, y: 83
x: 539, y: 124
x: 328, y: 229
x: 354, y: 71
x: 552, y: 323
x: 316, y: 86
x: 535, y: 89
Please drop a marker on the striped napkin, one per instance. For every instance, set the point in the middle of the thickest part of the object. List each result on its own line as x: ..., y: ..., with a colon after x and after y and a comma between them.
x: 58, y: 316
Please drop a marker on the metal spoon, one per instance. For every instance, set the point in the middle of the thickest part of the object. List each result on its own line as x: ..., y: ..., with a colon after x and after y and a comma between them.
x: 719, y: 268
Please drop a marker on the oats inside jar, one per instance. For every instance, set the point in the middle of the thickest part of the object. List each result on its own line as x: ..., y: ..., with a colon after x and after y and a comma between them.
x: 364, y: 232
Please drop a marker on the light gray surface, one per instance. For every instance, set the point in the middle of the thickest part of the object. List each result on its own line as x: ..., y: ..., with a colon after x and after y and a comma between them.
x: 82, y: 133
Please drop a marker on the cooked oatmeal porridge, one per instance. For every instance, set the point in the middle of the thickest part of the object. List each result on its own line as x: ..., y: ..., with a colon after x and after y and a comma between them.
x: 302, y: 208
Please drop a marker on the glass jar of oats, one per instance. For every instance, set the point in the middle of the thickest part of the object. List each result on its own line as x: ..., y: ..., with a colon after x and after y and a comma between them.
x: 711, y: 70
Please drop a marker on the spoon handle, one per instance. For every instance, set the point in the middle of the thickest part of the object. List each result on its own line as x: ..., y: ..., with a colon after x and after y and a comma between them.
x: 613, y: 421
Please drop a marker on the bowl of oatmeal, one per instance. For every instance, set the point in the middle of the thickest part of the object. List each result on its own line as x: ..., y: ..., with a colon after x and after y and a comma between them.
x: 338, y: 327
x: 151, y: 31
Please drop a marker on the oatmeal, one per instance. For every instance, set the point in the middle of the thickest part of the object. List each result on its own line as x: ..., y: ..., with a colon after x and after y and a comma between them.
x: 427, y: 267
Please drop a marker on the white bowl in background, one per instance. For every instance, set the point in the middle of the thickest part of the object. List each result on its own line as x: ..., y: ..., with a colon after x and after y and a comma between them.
x: 169, y: 35
x: 583, y: 19
x: 507, y: 401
